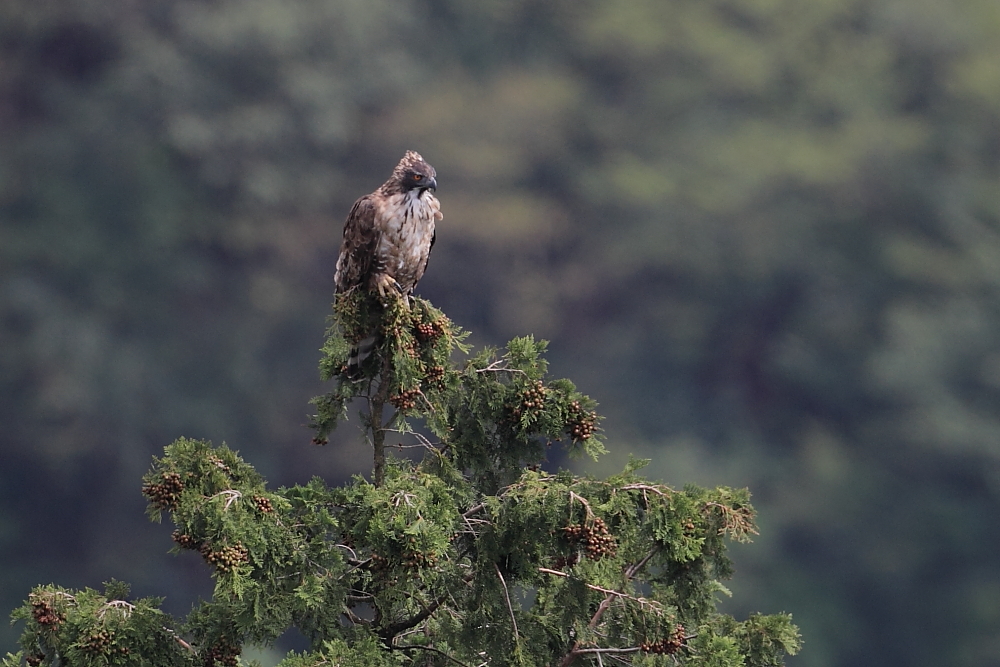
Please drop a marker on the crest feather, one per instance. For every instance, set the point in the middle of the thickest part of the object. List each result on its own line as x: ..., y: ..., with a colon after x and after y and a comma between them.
x: 412, y: 161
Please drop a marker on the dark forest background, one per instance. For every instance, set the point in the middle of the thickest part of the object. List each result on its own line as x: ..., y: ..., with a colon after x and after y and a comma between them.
x: 764, y: 234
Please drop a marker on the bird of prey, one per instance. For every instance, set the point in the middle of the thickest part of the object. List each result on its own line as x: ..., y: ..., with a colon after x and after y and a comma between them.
x: 388, y: 237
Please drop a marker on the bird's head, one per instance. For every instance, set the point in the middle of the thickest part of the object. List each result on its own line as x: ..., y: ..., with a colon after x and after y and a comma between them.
x: 413, y: 173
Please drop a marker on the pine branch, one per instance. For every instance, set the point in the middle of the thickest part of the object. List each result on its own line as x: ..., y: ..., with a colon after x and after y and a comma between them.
x: 387, y: 633
x: 394, y: 629
x: 610, y: 596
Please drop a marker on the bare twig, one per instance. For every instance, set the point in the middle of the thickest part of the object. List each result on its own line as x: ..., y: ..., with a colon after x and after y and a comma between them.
x: 424, y: 441
x: 583, y: 501
x: 232, y: 495
x: 473, y: 510
x: 177, y: 639
x: 466, y: 518
x: 510, y: 607
x: 403, y: 497
x: 631, y: 649
x: 344, y: 546
x: 633, y: 569
x: 499, y: 366
x: 124, y: 607
x: 655, y: 488
x: 429, y: 405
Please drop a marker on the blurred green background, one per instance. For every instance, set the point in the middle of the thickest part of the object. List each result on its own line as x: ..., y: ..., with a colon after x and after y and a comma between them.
x: 763, y: 234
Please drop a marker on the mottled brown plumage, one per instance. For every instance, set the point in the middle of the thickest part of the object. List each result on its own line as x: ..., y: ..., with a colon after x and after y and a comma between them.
x: 389, y: 233
x: 387, y: 240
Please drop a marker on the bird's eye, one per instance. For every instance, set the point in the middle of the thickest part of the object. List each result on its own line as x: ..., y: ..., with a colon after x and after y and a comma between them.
x: 418, y: 177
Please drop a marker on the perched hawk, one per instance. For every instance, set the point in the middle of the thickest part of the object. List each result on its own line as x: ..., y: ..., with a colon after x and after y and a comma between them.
x: 388, y: 237
x: 389, y: 233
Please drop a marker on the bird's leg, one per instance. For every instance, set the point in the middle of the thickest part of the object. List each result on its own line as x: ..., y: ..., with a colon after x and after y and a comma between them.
x: 402, y: 294
x: 386, y: 284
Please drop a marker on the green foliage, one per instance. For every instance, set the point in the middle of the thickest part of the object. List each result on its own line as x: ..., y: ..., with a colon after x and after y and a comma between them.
x: 472, y: 552
x: 89, y: 629
x: 417, y: 338
x: 492, y: 416
x: 365, y: 652
x: 270, y: 552
x: 506, y: 414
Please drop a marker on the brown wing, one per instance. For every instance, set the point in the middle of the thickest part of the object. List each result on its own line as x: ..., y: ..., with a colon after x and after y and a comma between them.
x: 357, y: 253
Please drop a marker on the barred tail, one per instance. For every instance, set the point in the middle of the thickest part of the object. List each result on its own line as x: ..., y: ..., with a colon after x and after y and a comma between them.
x: 359, y: 353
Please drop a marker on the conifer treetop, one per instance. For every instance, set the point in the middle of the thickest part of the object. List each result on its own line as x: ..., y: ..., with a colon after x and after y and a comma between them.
x: 473, y: 555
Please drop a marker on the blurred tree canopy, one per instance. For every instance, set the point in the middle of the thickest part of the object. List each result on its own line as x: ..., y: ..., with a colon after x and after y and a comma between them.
x: 764, y: 234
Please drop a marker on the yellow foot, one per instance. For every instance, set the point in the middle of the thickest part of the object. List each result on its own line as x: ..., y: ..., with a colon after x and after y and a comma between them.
x: 387, y: 287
